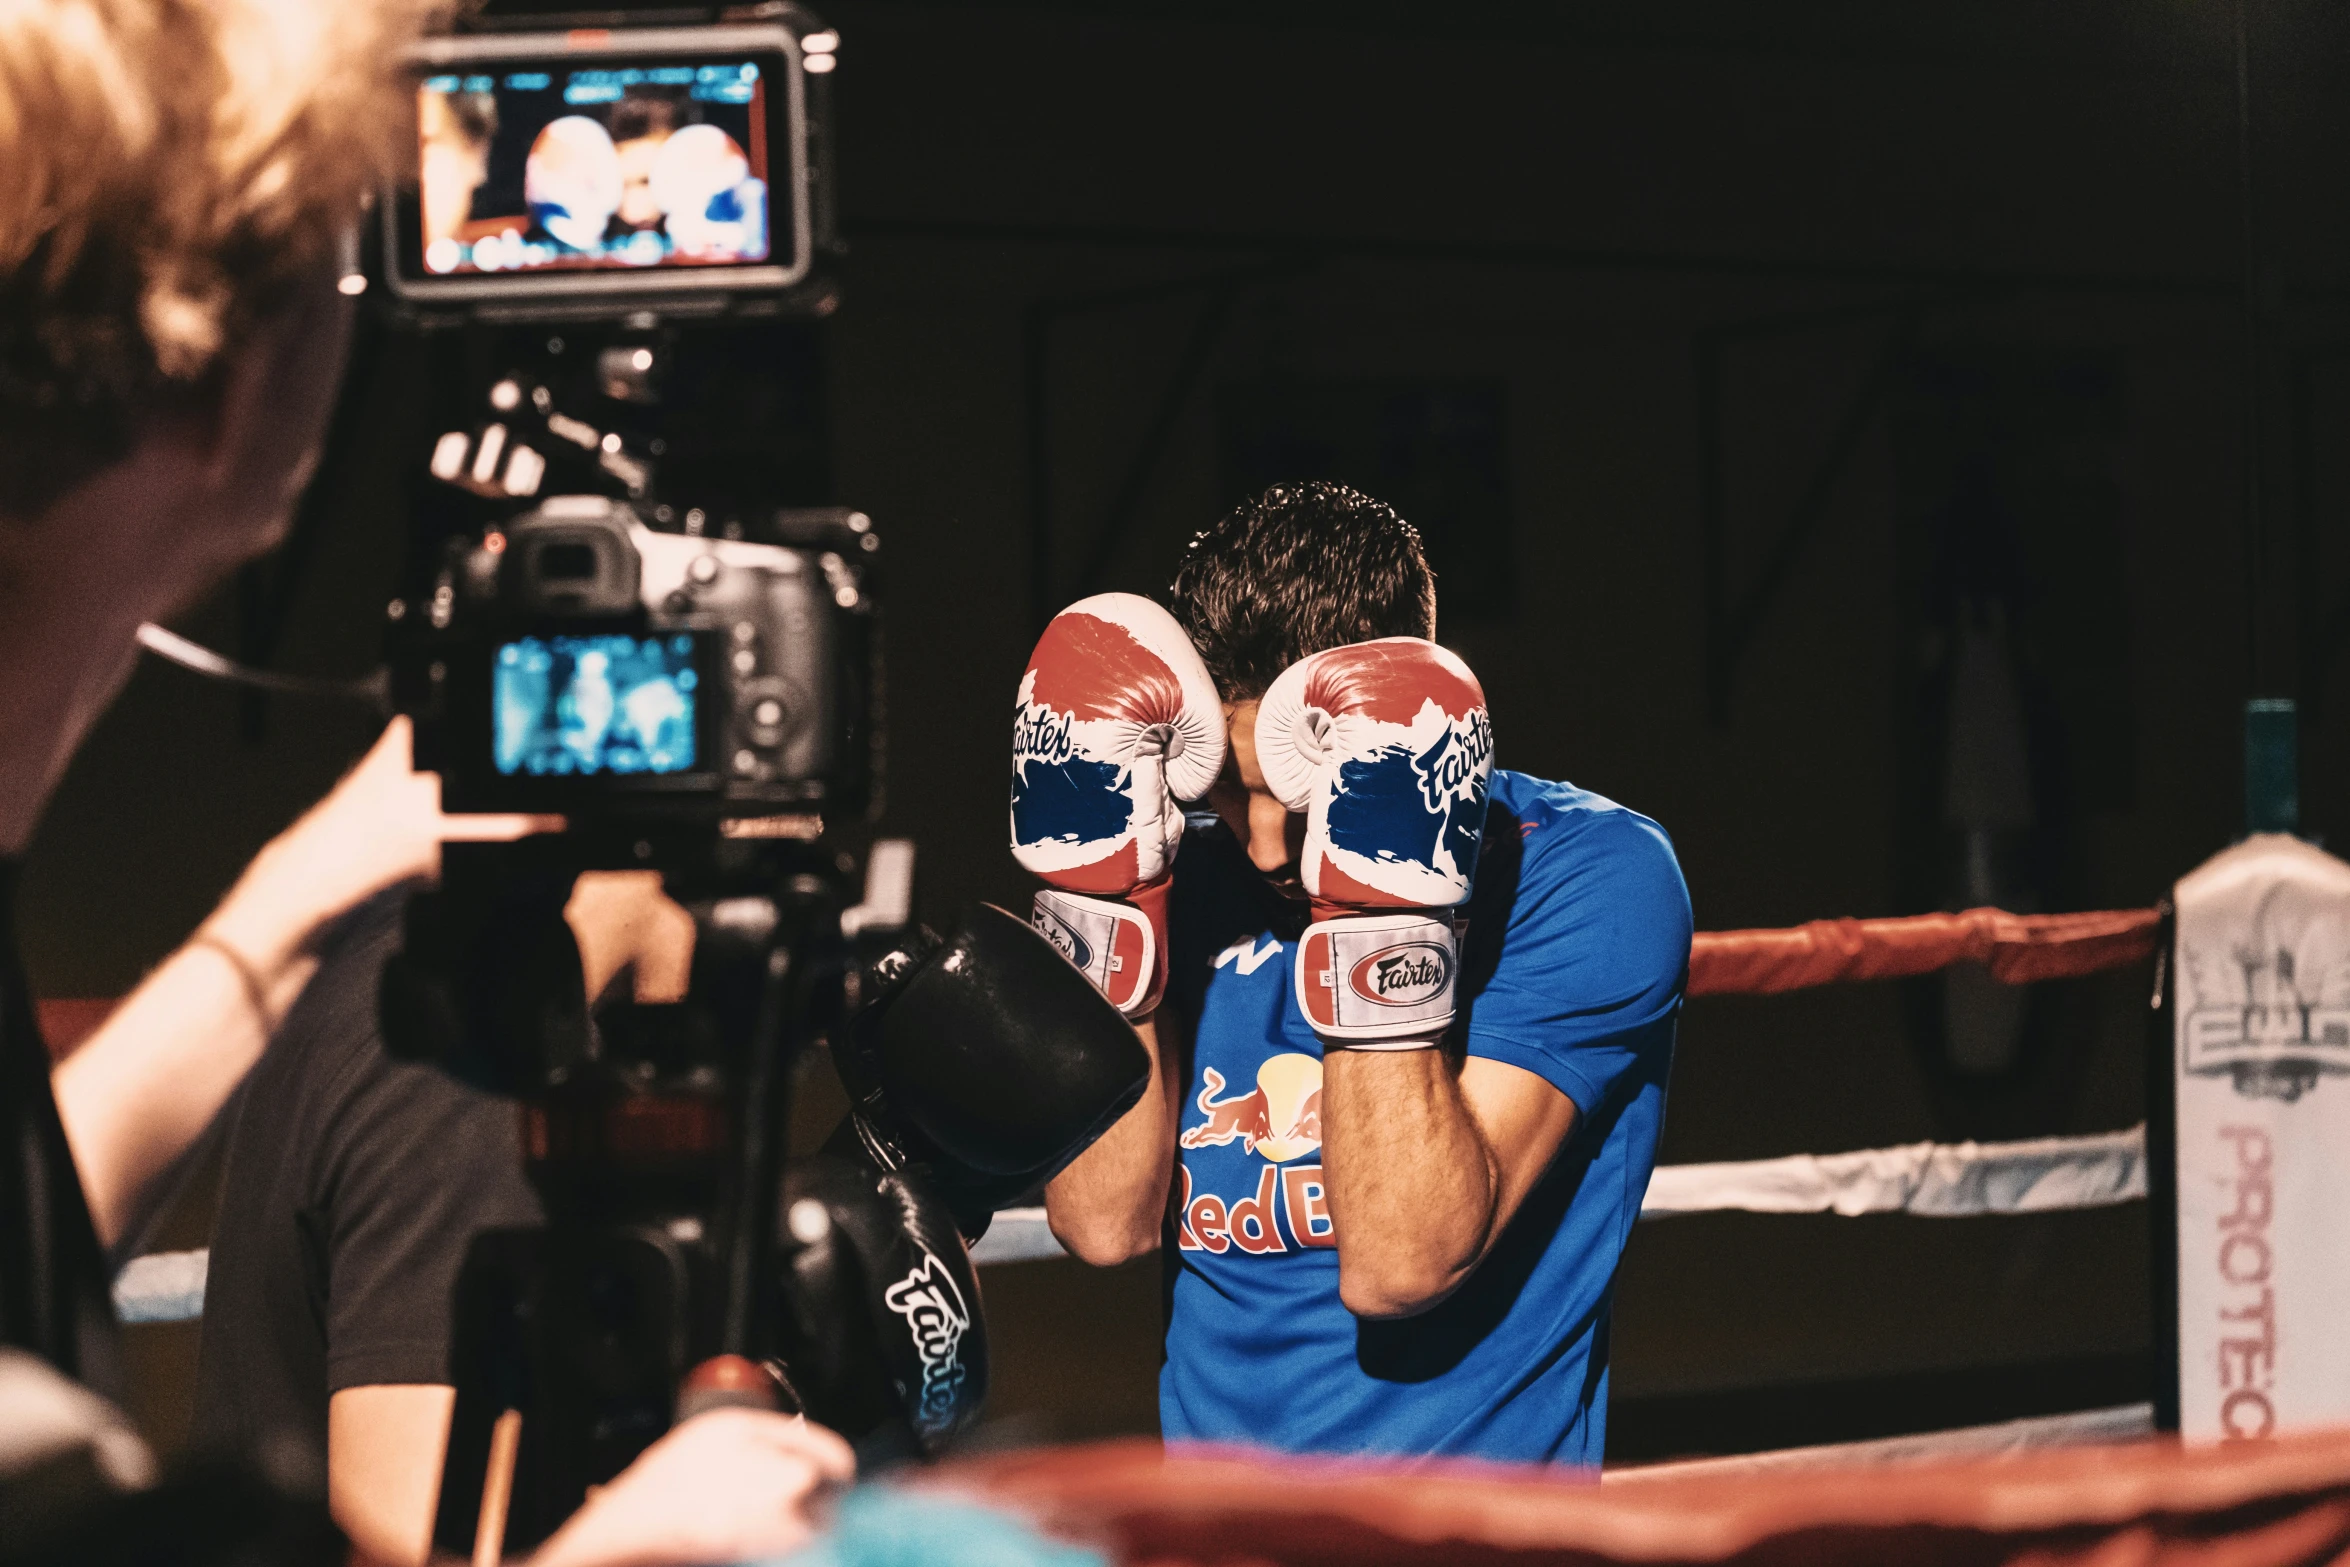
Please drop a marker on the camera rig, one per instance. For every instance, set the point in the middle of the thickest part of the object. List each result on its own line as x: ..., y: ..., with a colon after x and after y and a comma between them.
x: 610, y: 244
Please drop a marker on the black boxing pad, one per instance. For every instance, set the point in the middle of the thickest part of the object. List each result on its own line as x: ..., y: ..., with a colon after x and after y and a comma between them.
x: 882, y: 1336
x: 997, y: 1054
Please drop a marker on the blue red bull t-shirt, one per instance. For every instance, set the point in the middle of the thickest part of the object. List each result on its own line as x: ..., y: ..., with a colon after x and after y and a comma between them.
x: 1572, y: 969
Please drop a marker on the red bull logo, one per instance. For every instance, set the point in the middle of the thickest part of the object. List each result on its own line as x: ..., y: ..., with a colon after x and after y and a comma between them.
x: 1288, y: 1096
x: 1290, y: 1206
x: 1403, y: 975
x: 1278, y: 1121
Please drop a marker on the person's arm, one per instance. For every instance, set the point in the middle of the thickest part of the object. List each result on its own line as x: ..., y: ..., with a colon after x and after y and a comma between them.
x: 1572, y: 970
x: 141, y: 1090
x: 385, y: 1440
x: 385, y: 1445
x: 1109, y: 1205
x: 729, y: 1486
x: 1426, y: 1162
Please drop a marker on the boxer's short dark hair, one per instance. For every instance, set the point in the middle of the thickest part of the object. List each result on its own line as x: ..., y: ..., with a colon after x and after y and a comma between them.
x: 1295, y: 570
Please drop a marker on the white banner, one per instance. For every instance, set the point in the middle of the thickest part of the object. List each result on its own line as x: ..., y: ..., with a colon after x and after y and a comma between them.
x: 2262, y: 1001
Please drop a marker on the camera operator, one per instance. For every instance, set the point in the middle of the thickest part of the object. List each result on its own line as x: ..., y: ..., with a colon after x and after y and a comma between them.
x: 354, y: 1182
x: 172, y: 177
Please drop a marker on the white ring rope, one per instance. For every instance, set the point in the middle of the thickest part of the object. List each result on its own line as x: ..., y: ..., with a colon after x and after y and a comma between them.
x: 1931, y: 1180
x: 2089, y: 1427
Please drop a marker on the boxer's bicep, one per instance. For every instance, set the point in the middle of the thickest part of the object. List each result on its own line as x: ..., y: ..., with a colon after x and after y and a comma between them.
x: 384, y: 1449
x: 1524, y: 1120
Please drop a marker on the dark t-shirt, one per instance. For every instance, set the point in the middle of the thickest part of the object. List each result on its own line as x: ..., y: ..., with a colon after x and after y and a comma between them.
x: 354, y: 1185
x: 53, y: 1295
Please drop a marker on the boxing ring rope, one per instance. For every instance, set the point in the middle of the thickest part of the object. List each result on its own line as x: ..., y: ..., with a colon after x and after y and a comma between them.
x: 1930, y: 1180
x: 2018, y: 949
x: 2284, y: 1502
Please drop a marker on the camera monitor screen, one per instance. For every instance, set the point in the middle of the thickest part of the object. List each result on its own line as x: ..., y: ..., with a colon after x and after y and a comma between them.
x: 594, y: 706
x: 596, y: 164
x: 596, y: 168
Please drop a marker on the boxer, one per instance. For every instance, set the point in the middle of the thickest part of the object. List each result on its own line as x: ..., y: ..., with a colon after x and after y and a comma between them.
x: 1410, y: 1018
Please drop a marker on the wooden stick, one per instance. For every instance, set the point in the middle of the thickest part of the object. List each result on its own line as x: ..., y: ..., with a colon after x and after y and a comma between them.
x: 497, y: 1490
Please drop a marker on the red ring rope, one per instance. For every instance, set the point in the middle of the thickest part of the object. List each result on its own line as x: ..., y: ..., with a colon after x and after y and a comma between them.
x: 2017, y: 948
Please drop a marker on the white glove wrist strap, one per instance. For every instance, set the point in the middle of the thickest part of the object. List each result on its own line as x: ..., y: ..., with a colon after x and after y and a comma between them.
x: 1110, y: 940
x: 1379, y: 981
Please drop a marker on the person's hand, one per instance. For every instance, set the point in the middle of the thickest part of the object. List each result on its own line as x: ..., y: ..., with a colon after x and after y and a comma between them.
x: 726, y: 1486
x: 623, y: 919
x: 381, y: 826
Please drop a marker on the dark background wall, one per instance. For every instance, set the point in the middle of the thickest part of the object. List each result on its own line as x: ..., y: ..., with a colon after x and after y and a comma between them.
x: 1740, y: 360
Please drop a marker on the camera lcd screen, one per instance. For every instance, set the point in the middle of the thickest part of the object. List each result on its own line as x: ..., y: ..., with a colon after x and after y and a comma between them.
x: 594, y: 706
x: 599, y: 164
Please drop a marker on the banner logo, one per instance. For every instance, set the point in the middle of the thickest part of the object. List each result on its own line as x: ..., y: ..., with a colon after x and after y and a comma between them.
x: 2246, y: 1256
x: 2272, y: 1010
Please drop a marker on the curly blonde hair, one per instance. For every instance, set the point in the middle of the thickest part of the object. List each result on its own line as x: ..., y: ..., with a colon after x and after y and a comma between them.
x: 168, y: 169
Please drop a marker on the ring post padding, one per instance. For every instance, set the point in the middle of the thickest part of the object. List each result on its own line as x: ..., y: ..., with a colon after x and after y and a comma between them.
x: 2260, y: 1083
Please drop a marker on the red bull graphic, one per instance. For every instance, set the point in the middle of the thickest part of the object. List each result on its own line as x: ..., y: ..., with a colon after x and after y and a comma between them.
x: 1241, y: 1118
x: 1288, y: 1095
x: 1288, y: 1206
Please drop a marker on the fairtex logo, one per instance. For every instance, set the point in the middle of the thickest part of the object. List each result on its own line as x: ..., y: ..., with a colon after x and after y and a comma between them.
x: 937, y: 1318
x: 1041, y: 735
x: 1402, y: 976
x: 1456, y: 765
x: 1063, y: 936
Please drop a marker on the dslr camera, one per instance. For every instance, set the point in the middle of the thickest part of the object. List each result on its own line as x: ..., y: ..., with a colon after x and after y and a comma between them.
x: 576, y: 660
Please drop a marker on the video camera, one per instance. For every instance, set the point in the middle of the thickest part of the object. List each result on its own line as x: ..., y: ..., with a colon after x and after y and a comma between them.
x: 593, y: 640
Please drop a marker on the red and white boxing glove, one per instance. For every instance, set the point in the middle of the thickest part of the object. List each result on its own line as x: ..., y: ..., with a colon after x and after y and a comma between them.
x: 1117, y: 721
x: 1387, y: 748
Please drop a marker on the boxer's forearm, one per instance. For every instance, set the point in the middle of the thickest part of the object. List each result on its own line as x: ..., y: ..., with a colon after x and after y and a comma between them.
x: 1412, y: 1184
x: 1425, y: 1164
x: 1108, y: 1205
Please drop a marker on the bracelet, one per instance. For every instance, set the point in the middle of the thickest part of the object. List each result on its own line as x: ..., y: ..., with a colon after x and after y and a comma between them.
x: 256, y: 993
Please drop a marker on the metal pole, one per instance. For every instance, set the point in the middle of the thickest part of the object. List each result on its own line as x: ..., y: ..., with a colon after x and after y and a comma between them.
x: 2255, y: 552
